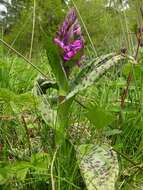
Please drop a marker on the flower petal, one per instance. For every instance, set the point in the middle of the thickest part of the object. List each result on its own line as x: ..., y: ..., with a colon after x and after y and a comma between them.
x: 69, y: 36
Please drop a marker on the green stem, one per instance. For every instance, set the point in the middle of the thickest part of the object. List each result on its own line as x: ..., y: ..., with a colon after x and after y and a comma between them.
x: 62, y: 121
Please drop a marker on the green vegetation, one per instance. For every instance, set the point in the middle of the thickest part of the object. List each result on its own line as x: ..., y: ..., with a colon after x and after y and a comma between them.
x: 69, y: 127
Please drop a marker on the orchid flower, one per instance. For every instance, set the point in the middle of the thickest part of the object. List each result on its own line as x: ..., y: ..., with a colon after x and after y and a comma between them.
x: 69, y: 38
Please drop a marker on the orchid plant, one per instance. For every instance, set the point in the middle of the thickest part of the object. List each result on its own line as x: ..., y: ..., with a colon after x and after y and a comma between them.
x: 65, y: 52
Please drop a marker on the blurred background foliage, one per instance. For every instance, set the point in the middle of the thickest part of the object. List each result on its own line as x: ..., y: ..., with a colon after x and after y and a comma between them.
x: 110, y: 23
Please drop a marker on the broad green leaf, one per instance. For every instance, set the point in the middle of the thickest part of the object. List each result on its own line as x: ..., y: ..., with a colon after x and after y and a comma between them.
x: 99, y: 116
x: 112, y: 132
x: 94, y: 63
x: 41, y: 85
x: 56, y: 65
x: 48, y: 114
x: 98, y: 165
x: 26, y: 100
x: 20, y: 169
x: 16, y: 169
x: 40, y: 161
x: 98, y: 68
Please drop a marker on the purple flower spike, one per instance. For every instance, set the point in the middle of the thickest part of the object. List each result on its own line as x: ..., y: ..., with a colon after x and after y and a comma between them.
x: 69, y: 38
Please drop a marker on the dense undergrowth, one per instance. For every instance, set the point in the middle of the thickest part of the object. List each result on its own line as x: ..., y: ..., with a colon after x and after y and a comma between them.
x: 27, y: 140
x: 46, y: 124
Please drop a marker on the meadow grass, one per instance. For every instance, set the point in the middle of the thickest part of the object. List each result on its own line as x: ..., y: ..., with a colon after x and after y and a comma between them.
x: 31, y: 158
x: 125, y: 134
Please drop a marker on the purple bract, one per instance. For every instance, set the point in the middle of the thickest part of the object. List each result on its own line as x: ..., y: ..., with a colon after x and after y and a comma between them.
x: 69, y: 38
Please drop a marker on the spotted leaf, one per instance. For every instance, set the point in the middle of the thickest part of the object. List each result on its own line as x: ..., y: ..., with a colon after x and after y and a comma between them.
x: 98, y: 165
